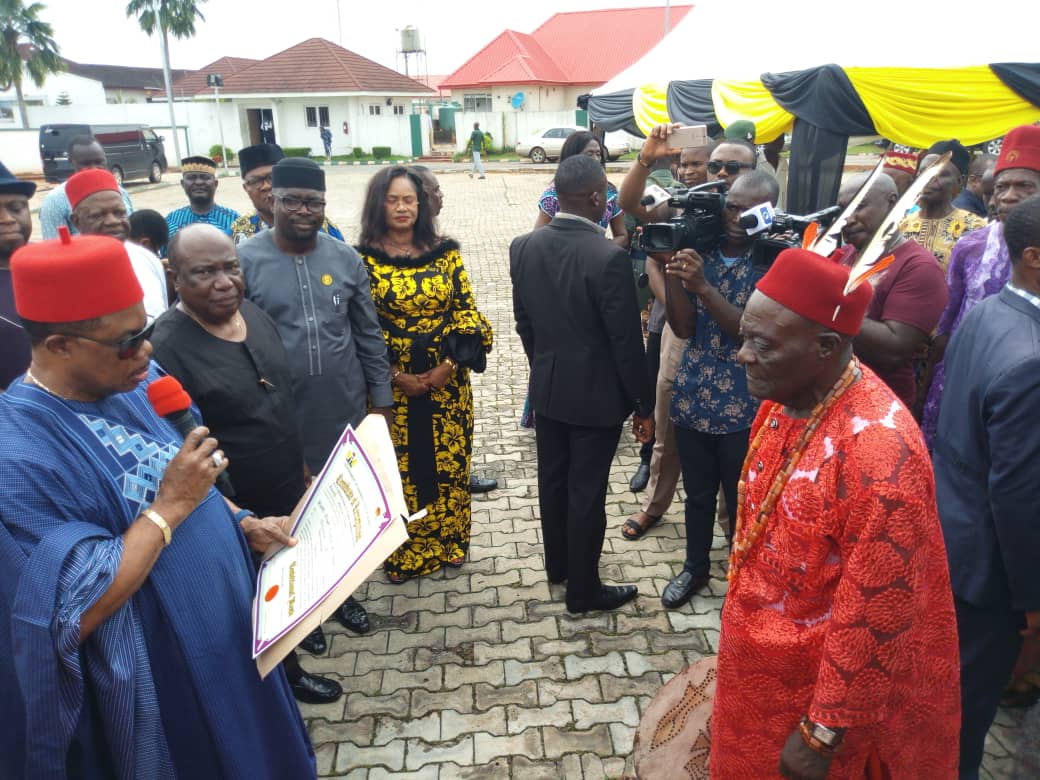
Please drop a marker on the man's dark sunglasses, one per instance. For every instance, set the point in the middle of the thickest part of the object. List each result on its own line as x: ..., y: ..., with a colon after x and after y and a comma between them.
x: 125, y: 348
x: 732, y: 166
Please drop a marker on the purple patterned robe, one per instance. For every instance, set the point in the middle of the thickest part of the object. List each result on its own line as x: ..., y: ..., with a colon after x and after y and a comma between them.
x: 979, y: 267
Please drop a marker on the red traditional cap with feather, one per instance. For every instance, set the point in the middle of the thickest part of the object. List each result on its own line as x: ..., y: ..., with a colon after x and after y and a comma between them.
x: 814, y: 286
x: 815, y: 281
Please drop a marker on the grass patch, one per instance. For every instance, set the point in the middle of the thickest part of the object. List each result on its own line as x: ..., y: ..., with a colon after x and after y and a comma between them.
x: 865, y: 149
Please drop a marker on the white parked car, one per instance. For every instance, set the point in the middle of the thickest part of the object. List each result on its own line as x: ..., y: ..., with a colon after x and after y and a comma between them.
x: 547, y: 144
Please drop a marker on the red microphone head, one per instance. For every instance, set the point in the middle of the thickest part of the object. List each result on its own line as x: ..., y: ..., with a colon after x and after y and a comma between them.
x: 167, y: 396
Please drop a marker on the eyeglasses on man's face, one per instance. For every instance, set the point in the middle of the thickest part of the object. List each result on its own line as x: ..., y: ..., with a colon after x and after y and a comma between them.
x: 292, y: 203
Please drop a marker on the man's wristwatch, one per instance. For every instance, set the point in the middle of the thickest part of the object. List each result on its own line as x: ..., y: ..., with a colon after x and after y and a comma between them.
x: 242, y: 514
x: 819, y: 737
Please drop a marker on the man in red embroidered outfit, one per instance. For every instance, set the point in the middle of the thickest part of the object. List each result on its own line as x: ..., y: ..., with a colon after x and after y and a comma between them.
x: 838, y: 652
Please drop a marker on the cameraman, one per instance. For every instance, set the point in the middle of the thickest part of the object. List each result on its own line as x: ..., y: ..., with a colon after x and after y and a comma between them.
x: 658, y: 470
x: 711, y: 408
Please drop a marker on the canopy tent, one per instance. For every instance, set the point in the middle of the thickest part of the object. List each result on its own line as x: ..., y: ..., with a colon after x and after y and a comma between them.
x: 910, y: 77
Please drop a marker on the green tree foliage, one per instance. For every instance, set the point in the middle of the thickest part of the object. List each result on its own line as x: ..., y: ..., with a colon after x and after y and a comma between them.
x: 167, y: 17
x: 27, y: 48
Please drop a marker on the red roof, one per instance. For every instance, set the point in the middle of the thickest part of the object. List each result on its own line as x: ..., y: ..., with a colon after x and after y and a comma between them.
x: 511, y: 58
x: 434, y: 81
x: 581, y: 47
x: 194, y: 82
x: 318, y: 65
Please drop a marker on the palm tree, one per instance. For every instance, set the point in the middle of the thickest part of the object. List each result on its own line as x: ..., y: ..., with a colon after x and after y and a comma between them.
x: 170, y: 17
x: 21, y: 31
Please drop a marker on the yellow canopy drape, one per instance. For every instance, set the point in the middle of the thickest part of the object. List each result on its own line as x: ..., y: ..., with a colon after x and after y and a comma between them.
x: 919, y: 106
x: 650, y: 106
x: 750, y: 100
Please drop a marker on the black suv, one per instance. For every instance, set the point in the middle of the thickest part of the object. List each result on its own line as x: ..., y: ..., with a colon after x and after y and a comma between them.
x: 133, y: 151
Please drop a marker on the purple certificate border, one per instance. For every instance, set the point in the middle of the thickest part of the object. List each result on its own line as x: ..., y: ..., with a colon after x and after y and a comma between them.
x: 348, y: 437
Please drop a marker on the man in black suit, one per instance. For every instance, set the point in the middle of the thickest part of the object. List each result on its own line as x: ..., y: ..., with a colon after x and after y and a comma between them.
x: 577, y: 316
x: 987, y: 467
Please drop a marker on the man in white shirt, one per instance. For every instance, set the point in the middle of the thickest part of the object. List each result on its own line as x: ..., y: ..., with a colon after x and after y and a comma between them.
x: 97, y: 208
x: 85, y: 153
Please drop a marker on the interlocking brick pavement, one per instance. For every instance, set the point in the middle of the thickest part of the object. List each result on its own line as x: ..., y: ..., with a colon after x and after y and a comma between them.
x: 480, y: 672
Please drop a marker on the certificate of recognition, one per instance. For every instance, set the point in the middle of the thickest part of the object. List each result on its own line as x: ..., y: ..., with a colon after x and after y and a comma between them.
x: 349, y: 521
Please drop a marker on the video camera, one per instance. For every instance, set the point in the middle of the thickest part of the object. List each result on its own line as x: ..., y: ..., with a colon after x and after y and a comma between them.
x: 700, y: 227
x: 778, y: 231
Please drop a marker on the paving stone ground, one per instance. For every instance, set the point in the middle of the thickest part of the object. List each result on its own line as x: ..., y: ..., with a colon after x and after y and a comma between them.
x: 480, y: 672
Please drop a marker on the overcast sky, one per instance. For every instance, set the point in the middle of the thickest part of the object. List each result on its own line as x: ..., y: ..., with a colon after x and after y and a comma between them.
x: 97, y: 31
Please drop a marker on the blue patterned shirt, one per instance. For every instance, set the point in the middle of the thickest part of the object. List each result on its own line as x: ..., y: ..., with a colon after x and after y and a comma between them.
x: 218, y: 216
x: 710, y: 393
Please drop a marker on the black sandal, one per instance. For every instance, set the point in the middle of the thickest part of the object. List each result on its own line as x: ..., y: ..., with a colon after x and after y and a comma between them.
x: 640, y: 530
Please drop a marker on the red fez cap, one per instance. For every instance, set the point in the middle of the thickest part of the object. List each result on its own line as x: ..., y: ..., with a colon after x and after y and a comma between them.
x: 812, y: 285
x: 87, y: 182
x: 73, y: 278
x: 1021, y: 149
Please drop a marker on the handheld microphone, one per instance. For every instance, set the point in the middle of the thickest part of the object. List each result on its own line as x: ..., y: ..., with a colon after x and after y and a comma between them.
x: 170, y: 401
x: 757, y: 218
x: 654, y: 196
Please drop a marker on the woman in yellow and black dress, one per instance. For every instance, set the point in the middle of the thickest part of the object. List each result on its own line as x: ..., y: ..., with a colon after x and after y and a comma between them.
x: 435, y: 336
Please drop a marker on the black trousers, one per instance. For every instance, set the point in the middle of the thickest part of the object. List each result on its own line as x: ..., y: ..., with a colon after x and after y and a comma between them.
x: 707, y: 460
x: 653, y: 367
x: 573, y: 471
x: 989, y: 646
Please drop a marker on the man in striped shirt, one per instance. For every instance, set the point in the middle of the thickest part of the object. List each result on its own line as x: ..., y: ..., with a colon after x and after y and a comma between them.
x: 199, y: 180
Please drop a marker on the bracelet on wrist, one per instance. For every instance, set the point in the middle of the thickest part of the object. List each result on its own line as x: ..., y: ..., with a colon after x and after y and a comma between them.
x: 639, y: 159
x: 396, y: 372
x: 160, y: 521
x: 819, y: 738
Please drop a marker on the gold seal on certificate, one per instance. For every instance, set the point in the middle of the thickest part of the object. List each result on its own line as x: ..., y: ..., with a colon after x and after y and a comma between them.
x: 349, y: 521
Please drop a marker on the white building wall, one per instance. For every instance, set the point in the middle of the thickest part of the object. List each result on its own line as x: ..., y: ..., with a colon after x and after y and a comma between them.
x: 199, y: 129
x: 536, y: 98
x: 362, y: 128
x: 20, y: 152
x: 81, y: 92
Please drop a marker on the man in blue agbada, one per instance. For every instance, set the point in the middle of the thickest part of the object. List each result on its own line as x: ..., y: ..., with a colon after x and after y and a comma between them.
x: 125, y: 578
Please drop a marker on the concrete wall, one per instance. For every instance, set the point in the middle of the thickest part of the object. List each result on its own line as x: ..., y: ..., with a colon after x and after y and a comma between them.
x: 20, y: 149
x: 199, y: 127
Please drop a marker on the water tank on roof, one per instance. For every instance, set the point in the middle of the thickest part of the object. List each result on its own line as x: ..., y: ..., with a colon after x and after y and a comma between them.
x: 410, y: 41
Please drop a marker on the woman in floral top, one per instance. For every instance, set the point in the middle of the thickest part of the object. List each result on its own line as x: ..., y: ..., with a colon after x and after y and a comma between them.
x: 433, y: 332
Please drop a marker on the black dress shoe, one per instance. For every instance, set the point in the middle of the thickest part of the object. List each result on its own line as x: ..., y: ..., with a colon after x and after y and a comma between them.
x: 681, y: 589
x: 481, y: 484
x: 640, y: 478
x: 353, y: 617
x: 608, y: 597
x: 314, y: 643
x: 312, y: 689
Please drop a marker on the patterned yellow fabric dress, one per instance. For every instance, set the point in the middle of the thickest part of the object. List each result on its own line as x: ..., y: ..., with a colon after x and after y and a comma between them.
x: 425, y: 303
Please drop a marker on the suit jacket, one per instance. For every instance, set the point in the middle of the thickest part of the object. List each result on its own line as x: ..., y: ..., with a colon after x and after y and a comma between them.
x: 576, y: 313
x: 987, y: 455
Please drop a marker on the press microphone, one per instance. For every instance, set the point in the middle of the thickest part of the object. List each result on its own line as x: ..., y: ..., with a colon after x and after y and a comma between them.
x: 757, y: 218
x: 654, y: 196
x: 172, y: 402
